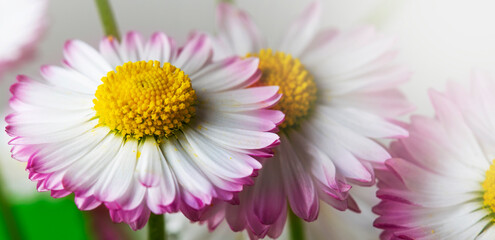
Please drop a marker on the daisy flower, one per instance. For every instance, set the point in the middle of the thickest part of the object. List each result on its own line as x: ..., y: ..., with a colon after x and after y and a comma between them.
x: 21, y: 25
x: 442, y: 183
x: 339, y: 96
x: 143, y: 126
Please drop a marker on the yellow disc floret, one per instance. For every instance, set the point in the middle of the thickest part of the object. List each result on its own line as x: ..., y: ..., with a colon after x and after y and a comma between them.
x: 145, y: 99
x: 489, y: 187
x: 297, y: 86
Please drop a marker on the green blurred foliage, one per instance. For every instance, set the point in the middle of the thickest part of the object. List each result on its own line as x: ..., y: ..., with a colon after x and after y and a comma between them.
x: 48, y: 218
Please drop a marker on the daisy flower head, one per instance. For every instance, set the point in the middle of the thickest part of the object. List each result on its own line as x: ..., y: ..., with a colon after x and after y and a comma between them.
x: 442, y: 183
x: 339, y: 95
x: 21, y: 25
x: 143, y: 126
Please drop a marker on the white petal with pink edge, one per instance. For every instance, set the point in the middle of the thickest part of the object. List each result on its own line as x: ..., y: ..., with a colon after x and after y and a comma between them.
x: 302, y: 30
x: 237, y: 35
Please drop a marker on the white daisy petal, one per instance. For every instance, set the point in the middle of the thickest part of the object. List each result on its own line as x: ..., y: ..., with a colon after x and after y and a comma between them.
x: 134, y: 197
x: 221, y: 183
x: 237, y: 32
x: 362, y: 122
x: 45, y: 96
x: 132, y: 49
x: 110, y: 50
x: 238, y: 138
x: 44, y: 136
x: 149, y: 167
x: 68, y: 79
x: 302, y: 30
x: 164, y: 194
x: 344, y: 160
x: 184, y: 168
x: 235, y: 108
x: 301, y: 191
x: 242, y: 120
x: 195, y: 54
x: 237, y: 73
x: 83, y: 58
x: 85, y: 172
x: 242, y: 96
x: 213, y: 158
x: 160, y: 47
x: 54, y: 158
x: 388, y: 103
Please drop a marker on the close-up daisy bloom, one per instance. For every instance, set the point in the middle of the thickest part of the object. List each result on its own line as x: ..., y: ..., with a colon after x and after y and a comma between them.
x: 441, y: 185
x: 143, y: 126
x: 339, y: 96
x: 22, y: 23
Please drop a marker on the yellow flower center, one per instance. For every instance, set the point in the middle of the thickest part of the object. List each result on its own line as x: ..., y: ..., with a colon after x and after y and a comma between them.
x: 145, y: 99
x: 489, y: 187
x: 297, y: 86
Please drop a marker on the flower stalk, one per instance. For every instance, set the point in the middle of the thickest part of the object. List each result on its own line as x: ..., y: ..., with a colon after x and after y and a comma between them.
x: 107, y: 19
x: 156, y: 227
x: 8, y: 216
x: 296, y: 228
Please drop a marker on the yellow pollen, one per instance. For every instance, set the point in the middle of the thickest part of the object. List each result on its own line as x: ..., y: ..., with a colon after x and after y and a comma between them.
x: 145, y: 99
x: 489, y: 187
x: 297, y: 86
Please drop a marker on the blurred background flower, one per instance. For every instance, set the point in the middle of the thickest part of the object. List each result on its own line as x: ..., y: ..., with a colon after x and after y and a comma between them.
x: 22, y: 23
x: 441, y: 185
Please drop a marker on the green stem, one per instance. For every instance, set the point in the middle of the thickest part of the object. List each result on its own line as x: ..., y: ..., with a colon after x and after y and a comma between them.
x: 156, y: 227
x: 10, y: 221
x: 107, y: 19
x: 296, y: 228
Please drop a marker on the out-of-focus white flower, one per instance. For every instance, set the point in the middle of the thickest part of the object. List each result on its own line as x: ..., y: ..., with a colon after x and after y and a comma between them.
x: 442, y: 183
x: 21, y: 25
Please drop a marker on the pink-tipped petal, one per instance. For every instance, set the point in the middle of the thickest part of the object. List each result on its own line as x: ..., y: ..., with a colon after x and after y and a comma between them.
x: 238, y: 34
x: 302, y: 31
x: 195, y: 54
